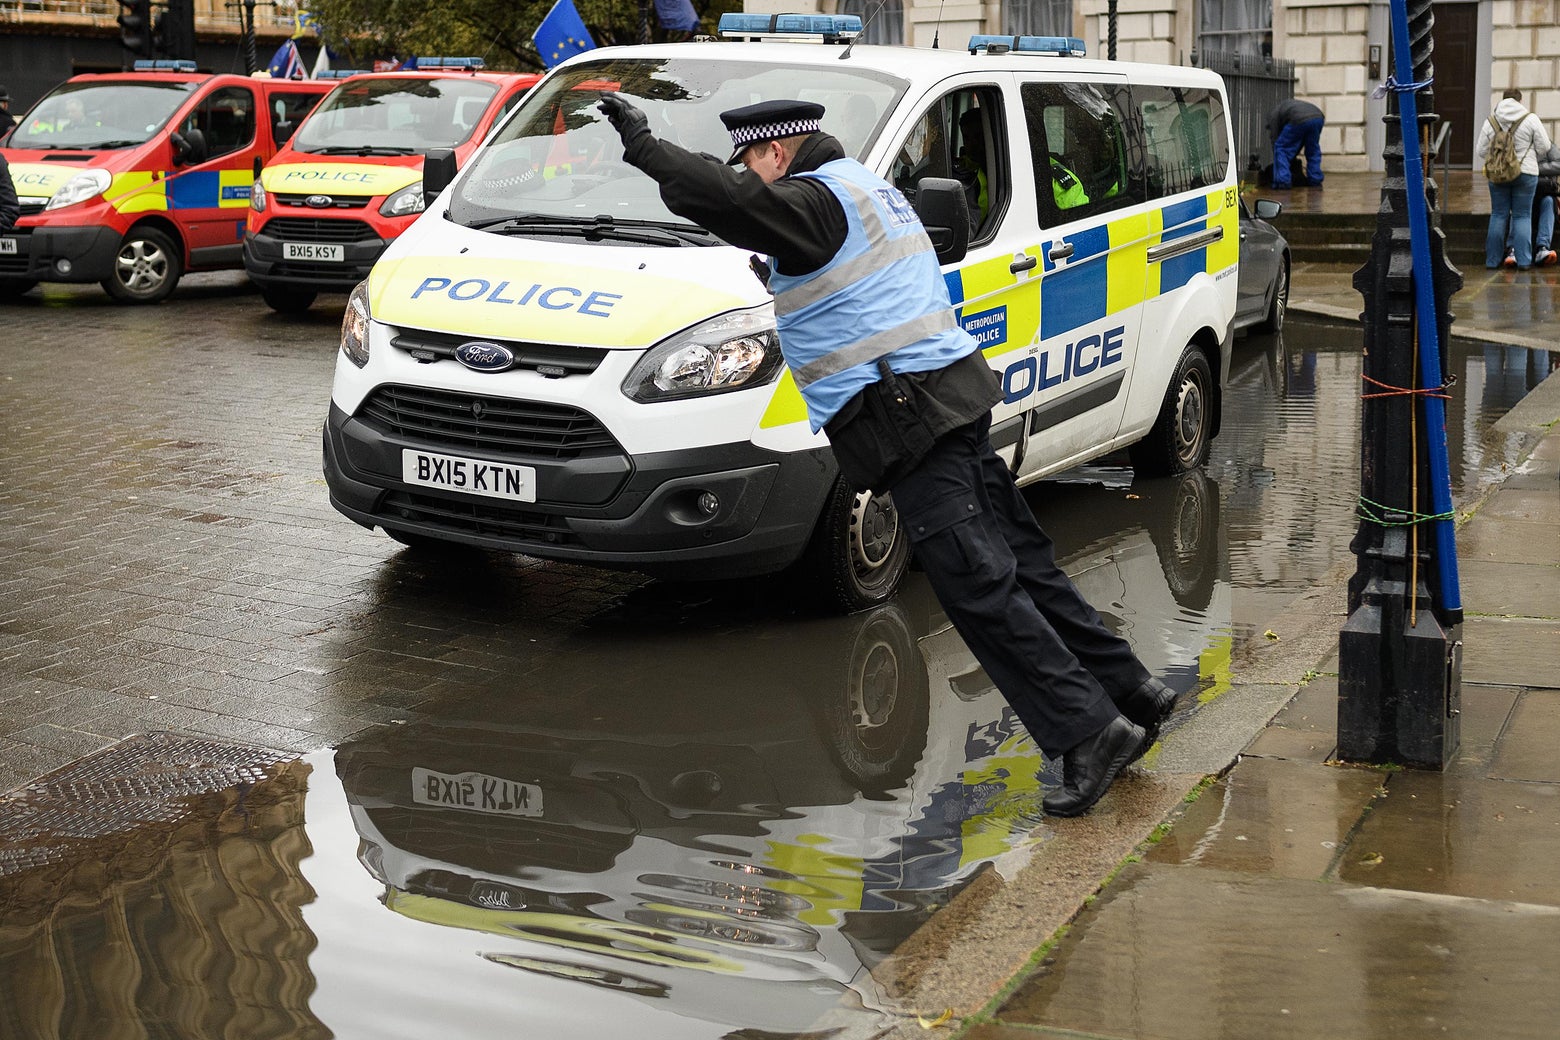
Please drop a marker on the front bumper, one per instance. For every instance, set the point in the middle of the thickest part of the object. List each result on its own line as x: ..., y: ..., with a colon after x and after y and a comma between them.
x: 61, y: 254
x: 268, y: 268
x: 630, y: 512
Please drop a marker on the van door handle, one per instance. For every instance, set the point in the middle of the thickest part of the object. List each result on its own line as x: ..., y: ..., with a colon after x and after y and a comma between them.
x: 1026, y: 264
x: 1061, y: 252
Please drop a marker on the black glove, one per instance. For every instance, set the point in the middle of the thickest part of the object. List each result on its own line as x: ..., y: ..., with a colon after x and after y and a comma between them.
x: 628, y: 121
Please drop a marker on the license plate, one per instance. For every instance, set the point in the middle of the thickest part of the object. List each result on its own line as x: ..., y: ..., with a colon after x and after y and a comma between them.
x: 475, y: 792
x: 312, y: 251
x: 473, y: 476
x: 8, y: 246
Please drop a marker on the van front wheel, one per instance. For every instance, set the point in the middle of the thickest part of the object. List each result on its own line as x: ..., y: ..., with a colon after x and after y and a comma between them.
x: 146, y: 268
x: 859, y: 551
x: 1180, y: 439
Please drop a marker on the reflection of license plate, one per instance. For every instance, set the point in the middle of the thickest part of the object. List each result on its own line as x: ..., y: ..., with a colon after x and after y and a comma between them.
x: 473, y: 476
x: 475, y: 792
x: 8, y: 246
x: 312, y: 251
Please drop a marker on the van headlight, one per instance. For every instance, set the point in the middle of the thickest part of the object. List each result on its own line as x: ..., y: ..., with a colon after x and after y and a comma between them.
x: 257, y: 196
x: 731, y: 352
x: 88, y: 184
x: 354, y: 326
x: 404, y: 202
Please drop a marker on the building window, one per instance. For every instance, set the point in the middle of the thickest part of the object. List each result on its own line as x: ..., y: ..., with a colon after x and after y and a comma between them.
x: 1037, y: 17
x: 1243, y: 27
x: 884, y: 22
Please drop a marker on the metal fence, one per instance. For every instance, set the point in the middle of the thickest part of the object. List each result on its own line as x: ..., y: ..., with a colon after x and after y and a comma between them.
x: 1254, y: 86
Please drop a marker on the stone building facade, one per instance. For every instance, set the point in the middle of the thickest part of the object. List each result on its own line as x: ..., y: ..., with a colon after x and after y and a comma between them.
x: 1341, y: 51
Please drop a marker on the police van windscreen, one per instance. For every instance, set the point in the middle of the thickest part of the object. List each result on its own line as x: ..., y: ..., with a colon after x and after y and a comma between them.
x: 99, y: 115
x: 558, y: 157
x: 395, y: 116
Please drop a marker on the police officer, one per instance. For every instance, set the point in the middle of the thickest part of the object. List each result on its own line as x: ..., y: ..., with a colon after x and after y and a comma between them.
x: 905, y: 396
x: 9, y: 208
x: 7, y: 120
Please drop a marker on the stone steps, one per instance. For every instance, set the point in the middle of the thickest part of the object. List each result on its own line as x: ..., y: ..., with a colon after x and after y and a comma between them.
x: 1345, y: 238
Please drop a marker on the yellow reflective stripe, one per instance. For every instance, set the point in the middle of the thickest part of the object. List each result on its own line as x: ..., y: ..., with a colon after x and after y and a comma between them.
x: 1226, y: 251
x: 139, y: 191
x: 1156, y: 230
x: 989, y: 278
x: 234, y: 179
x: 1126, y: 263
x: 785, y: 404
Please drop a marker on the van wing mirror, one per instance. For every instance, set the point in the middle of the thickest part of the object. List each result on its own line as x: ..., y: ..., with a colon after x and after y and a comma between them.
x: 189, y: 148
x: 438, y: 172
x: 282, y: 132
x: 1267, y: 209
x: 945, y: 212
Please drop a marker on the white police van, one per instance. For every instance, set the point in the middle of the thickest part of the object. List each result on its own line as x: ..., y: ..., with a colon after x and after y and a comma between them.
x: 550, y: 362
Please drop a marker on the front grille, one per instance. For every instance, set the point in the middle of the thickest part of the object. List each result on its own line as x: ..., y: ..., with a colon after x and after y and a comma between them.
x: 545, y: 358
x: 307, y: 229
x: 31, y: 208
x: 512, y: 523
x: 336, y: 201
x: 320, y: 271
x: 498, y: 425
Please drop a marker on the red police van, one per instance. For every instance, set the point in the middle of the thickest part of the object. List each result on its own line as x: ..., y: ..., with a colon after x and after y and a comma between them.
x: 350, y: 180
x: 131, y: 179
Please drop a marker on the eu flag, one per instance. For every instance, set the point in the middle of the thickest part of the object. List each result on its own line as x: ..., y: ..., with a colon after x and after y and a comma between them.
x: 562, y: 34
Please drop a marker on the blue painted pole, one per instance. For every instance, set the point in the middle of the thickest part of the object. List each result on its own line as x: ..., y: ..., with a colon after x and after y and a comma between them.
x: 1429, y: 337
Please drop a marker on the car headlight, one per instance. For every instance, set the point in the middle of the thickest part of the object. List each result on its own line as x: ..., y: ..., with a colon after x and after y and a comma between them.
x: 257, y: 197
x: 406, y: 201
x: 88, y: 184
x: 354, y: 326
x: 731, y: 352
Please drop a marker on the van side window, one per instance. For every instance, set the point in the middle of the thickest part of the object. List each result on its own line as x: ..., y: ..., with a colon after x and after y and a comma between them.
x: 962, y: 136
x: 288, y: 110
x: 1185, y: 138
x: 1080, y: 138
x: 226, y: 119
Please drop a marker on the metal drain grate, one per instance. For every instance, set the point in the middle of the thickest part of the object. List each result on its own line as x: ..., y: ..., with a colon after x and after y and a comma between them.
x: 150, y: 779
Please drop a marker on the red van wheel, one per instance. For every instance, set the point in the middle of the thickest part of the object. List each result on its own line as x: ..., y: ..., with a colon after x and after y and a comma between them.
x: 146, y: 268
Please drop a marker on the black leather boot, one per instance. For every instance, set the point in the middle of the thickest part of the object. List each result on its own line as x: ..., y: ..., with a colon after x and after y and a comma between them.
x: 1149, y: 706
x: 1090, y: 766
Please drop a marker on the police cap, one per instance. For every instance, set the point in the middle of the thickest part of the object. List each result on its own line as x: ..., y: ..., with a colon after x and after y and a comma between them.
x: 769, y: 121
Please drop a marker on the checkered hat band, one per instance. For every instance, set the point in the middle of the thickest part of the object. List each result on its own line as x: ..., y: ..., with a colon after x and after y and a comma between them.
x: 772, y: 131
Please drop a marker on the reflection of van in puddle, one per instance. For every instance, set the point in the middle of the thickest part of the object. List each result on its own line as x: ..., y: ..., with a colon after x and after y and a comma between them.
x: 747, y: 817
x: 550, y: 362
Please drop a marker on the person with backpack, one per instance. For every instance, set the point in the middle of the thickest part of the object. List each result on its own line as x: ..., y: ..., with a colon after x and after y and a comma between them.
x: 1510, y: 143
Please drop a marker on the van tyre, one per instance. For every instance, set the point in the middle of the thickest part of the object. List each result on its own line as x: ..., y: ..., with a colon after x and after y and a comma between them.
x: 146, y: 267
x: 11, y: 288
x: 1274, y: 322
x: 288, y: 301
x: 859, y: 550
x: 1181, y: 435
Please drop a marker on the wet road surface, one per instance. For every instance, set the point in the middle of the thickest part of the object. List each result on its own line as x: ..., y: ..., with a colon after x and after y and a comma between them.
x: 467, y: 792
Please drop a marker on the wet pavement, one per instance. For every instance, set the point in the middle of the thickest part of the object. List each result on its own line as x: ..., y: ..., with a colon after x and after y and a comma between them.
x: 620, y: 804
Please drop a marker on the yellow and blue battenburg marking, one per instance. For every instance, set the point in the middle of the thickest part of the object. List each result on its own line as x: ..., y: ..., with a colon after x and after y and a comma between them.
x: 142, y: 190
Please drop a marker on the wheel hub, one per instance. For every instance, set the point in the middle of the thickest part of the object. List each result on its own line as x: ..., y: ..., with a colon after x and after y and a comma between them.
x: 873, y: 524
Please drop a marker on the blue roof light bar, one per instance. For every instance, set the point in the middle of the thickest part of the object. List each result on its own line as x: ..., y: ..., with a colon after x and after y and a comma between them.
x: 813, y: 28
x: 1064, y: 46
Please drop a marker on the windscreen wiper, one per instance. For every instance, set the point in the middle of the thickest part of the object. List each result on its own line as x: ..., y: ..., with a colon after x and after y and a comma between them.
x: 362, y: 149
x: 600, y: 227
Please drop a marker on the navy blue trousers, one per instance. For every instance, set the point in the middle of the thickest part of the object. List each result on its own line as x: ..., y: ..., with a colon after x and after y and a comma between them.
x: 994, y: 572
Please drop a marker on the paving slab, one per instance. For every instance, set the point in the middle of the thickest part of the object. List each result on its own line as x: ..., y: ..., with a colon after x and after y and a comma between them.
x: 1172, y: 953
x: 1512, y: 652
x: 1462, y: 836
x: 1528, y: 750
x: 1273, y: 817
x: 1510, y: 589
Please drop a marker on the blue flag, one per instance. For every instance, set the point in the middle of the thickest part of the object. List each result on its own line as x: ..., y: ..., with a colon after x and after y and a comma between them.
x: 286, y: 63
x: 562, y: 34
x: 676, y: 15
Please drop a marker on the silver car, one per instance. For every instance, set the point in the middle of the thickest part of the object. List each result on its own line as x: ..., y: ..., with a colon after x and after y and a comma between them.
x: 1263, y: 295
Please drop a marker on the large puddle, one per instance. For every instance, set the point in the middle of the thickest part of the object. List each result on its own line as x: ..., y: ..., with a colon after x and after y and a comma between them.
x: 690, y: 817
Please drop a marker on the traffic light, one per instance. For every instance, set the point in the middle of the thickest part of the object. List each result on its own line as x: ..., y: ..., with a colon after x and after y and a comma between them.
x: 135, y: 27
x: 173, y: 33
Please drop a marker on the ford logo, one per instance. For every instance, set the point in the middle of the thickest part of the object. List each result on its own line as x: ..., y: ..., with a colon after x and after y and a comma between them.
x: 481, y: 356
x: 319, y: 201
